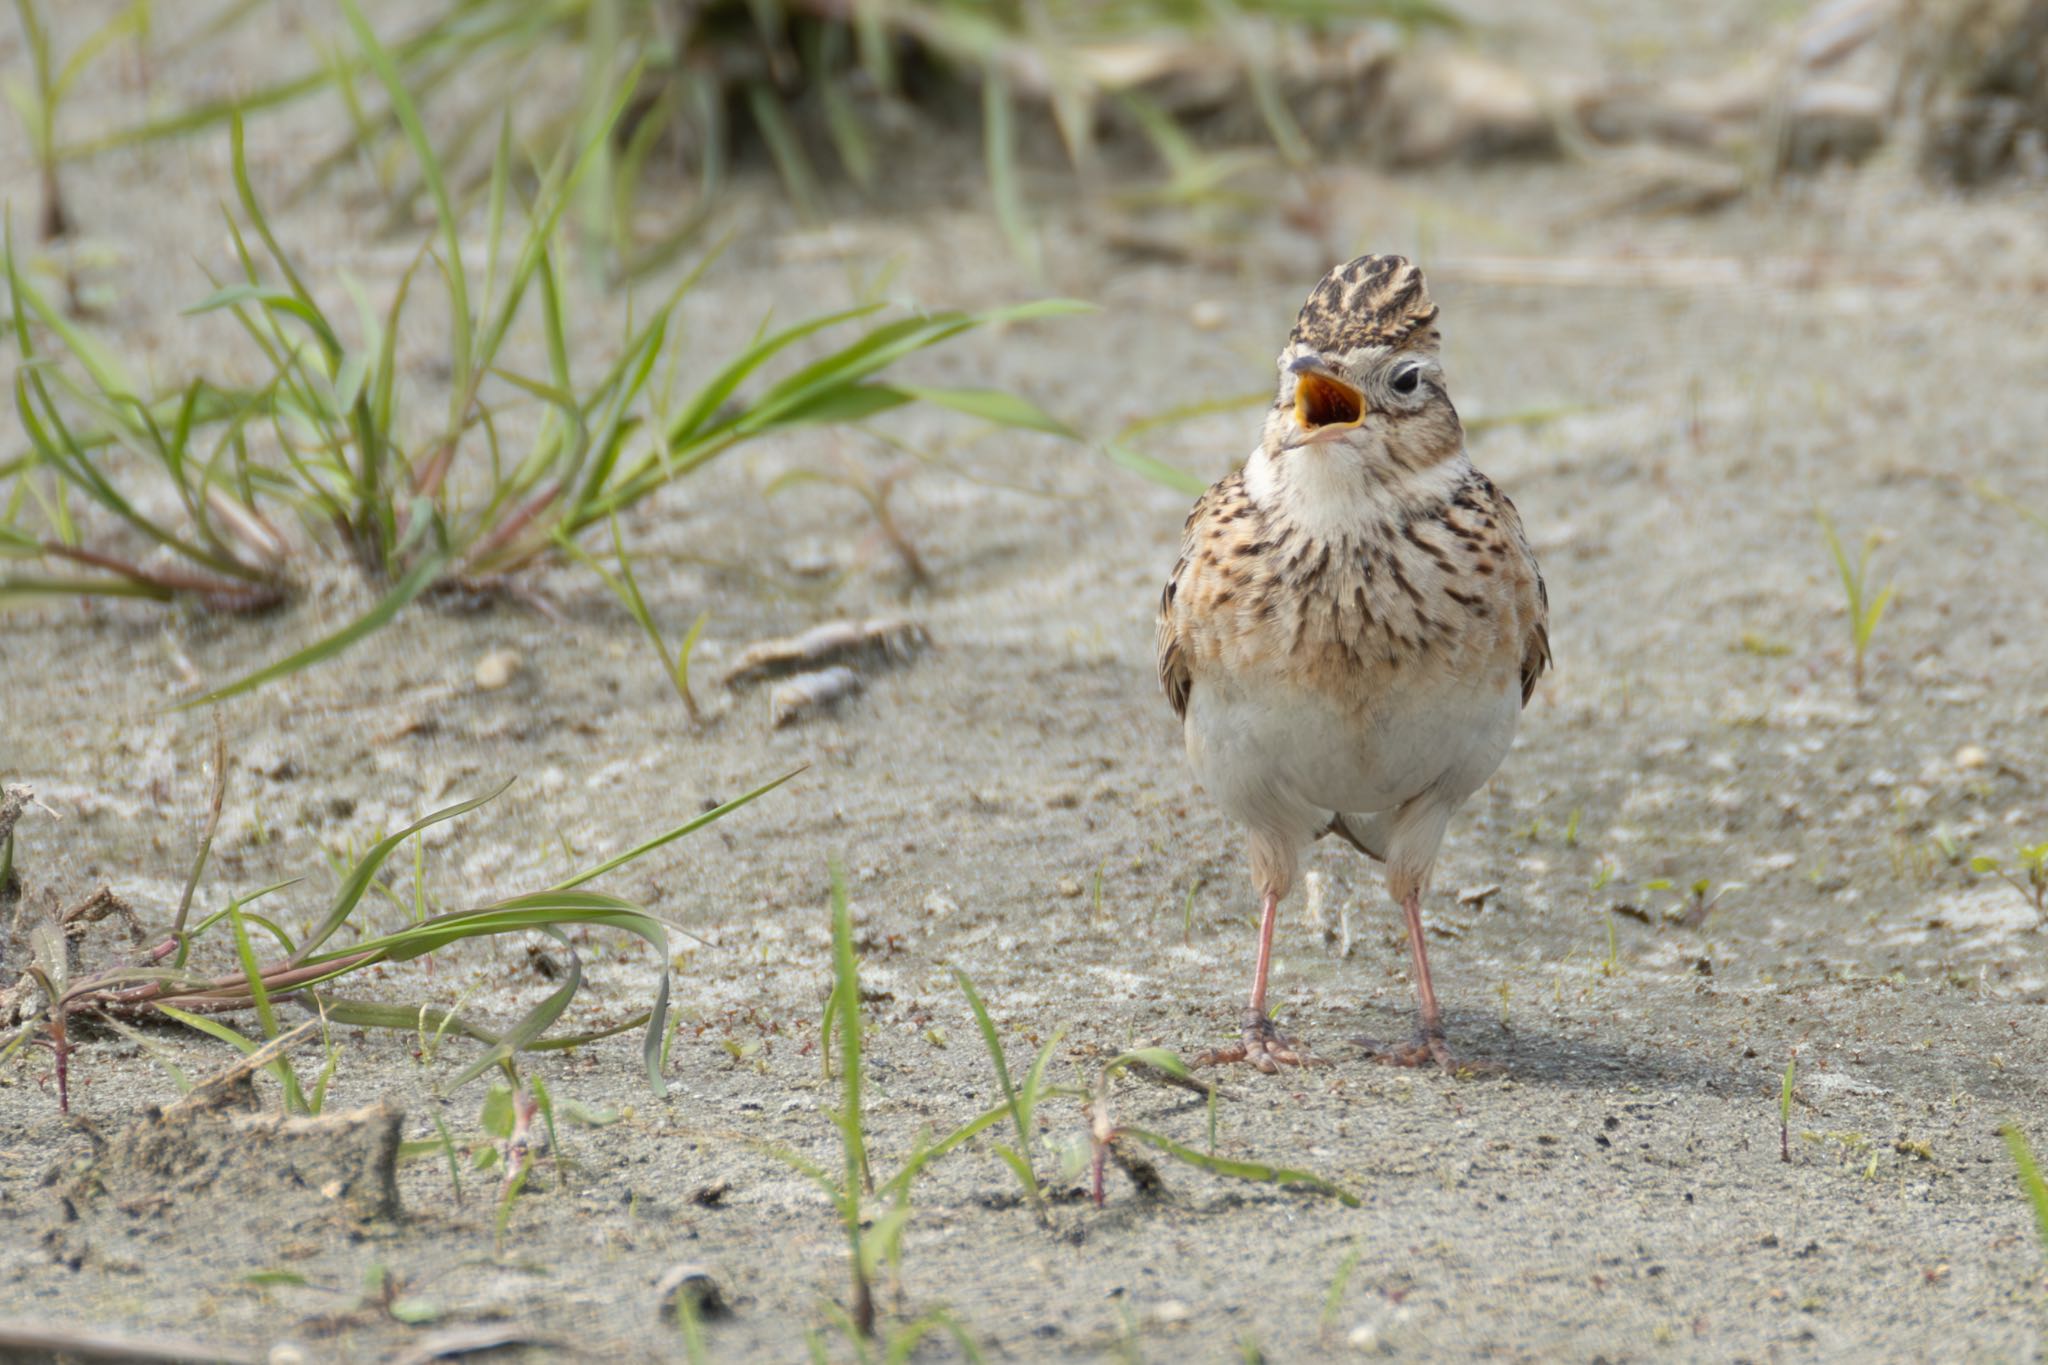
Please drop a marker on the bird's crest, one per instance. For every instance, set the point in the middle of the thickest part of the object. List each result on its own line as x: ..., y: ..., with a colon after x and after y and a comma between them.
x: 1374, y: 301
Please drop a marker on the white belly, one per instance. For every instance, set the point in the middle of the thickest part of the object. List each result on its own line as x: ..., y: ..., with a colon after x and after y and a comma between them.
x: 1285, y: 759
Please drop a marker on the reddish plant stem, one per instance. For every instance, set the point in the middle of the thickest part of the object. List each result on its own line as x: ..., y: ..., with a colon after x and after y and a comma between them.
x: 221, y: 991
x: 504, y: 531
x: 219, y: 593
x: 60, y: 1045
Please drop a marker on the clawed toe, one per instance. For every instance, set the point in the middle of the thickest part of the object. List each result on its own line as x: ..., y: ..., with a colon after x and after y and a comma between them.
x: 1264, y: 1048
x: 1426, y: 1047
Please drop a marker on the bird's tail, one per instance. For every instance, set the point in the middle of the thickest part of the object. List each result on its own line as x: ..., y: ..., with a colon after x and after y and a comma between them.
x: 1366, y: 833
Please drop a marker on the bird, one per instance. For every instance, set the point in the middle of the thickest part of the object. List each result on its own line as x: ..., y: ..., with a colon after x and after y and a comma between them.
x: 1355, y: 623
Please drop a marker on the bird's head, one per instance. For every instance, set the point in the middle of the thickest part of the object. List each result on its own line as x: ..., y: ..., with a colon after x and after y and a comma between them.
x: 1360, y: 374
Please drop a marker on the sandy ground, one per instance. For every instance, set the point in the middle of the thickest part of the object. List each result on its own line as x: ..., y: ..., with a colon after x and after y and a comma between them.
x: 1014, y: 804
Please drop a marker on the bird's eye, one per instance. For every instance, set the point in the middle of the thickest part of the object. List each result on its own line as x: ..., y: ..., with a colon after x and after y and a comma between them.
x: 1406, y: 378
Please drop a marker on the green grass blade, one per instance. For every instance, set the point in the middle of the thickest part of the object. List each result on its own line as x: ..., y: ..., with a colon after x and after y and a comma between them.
x: 1990, y: 494
x: 966, y: 1132
x: 2031, y: 1183
x: 1867, y: 626
x: 995, y: 1053
x: 1158, y: 471
x: 999, y: 150
x: 689, y: 827
x: 726, y: 382
x: 846, y: 978
x: 785, y: 148
x: 1242, y: 1170
x: 358, y: 880
x: 993, y: 405
x: 246, y: 953
x: 422, y: 576
x: 534, y: 1023
x: 430, y: 167
x: 1202, y: 407
x: 839, y: 403
x: 1020, y: 1168
x: 1034, y: 1080
x: 1163, y: 1059
x: 156, y: 1050
x: 281, y: 1068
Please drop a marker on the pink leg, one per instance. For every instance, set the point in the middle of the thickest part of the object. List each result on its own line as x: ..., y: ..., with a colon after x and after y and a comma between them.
x: 1425, y: 992
x: 1269, y: 915
x: 1263, y: 1047
x: 1428, y: 1044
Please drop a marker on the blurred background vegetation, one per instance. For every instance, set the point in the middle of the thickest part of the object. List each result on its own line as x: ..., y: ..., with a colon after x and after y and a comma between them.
x: 512, y: 141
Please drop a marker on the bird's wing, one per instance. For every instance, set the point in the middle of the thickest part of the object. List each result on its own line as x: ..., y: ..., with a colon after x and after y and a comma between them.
x: 1225, y: 500
x: 1536, y: 634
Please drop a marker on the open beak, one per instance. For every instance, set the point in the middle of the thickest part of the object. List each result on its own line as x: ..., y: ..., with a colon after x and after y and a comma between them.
x: 1325, y: 407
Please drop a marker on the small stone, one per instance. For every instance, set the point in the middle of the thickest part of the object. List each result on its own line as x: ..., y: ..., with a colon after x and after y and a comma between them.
x: 496, y: 669
x: 1207, y: 315
x: 287, y: 1353
x: 692, y: 1284
x: 939, y: 905
x: 1068, y: 887
x: 811, y: 559
x: 1365, y: 1339
x: 1972, y: 756
x: 1171, y: 1313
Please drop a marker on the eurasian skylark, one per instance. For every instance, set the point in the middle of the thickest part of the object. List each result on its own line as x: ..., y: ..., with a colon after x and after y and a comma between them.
x: 1356, y: 620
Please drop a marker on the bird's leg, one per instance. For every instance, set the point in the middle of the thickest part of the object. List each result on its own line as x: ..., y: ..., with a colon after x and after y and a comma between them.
x: 1264, y: 1047
x: 1428, y: 1044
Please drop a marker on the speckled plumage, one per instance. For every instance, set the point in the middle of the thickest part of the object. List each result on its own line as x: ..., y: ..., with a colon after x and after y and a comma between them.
x: 1356, y: 617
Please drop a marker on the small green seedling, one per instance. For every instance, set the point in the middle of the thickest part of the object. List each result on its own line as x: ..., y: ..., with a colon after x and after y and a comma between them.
x: 2031, y: 1183
x: 36, y: 106
x: 1160, y: 1064
x: 1333, y: 1301
x: 675, y: 664
x: 2028, y: 875
x: 1865, y: 611
x: 1785, y: 1109
x: 1022, y: 1100
x: 1696, y: 900
x: 1990, y: 494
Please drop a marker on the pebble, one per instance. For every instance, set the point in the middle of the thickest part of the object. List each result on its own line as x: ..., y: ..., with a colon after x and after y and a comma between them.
x: 939, y: 905
x: 793, y: 697
x: 1069, y: 888
x: 1171, y: 1313
x: 1365, y: 1339
x: 497, y: 668
x: 1207, y: 315
x: 1972, y: 756
x: 694, y: 1283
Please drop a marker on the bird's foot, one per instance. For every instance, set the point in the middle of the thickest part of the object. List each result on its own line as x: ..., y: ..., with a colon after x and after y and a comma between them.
x: 1264, y: 1048
x: 1426, y: 1047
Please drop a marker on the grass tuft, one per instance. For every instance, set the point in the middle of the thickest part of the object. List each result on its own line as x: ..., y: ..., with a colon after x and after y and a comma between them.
x: 160, y: 981
x: 221, y: 494
x: 1864, y: 609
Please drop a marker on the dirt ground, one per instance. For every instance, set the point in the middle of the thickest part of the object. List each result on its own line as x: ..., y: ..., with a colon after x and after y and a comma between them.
x: 1013, y: 803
